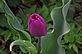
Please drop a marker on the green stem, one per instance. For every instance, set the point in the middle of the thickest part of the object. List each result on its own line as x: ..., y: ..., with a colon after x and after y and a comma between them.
x: 39, y: 45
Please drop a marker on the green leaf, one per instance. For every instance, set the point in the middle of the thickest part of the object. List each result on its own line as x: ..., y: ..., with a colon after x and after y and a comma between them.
x: 3, y: 52
x: 23, y: 18
x: 15, y: 25
x: 69, y: 38
x: 13, y: 52
x: 29, y: 47
x: 13, y: 21
x: 23, y: 49
x: 75, y: 48
x: 6, y: 35
x: 27, y: 36
x: 13, y: 3
x: 53, y: 1
x: 70, y: 52
x: 70, y: 46
x: 44, y: 11
x: 11, y: 17
x: 51, y: 44
x: 30, y: 11
x: 70, y: 14
x: 3, y: 21
x: 1, y: 5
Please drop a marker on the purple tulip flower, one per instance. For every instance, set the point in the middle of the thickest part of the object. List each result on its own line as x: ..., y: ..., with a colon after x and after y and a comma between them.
x: 37, y: 26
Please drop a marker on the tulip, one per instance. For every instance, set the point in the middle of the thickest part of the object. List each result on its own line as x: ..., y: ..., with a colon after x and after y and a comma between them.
x: 37, y: 26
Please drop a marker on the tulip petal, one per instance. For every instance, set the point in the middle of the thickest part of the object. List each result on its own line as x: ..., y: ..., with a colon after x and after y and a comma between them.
x: 36, y: 25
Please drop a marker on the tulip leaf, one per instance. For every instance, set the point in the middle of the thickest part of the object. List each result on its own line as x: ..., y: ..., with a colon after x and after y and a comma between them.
x: 15, y: 25
x: 1, y: 5
x: 11, y: 17
x: 13, y: 21
x: 51, y: 44
x: 27, y: 35
x: 26, y: 45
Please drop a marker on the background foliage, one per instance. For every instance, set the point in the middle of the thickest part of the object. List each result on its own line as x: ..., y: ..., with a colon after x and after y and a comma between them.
x: 64, y: 26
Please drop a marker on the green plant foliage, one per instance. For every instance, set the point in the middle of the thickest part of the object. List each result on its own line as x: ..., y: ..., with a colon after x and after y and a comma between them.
x: 44, y: 11
x: 13, y: 23
x: 27, y: 1
x: 78, y: 0
x: 60, y: 26
x: 14, y: 3
x: 64, y: 26
x: 25, y: 46
x: 6, y: 35
x: 72, y: 39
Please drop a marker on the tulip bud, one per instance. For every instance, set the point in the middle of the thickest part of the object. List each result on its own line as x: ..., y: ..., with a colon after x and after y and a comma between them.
x: 36, y: 25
